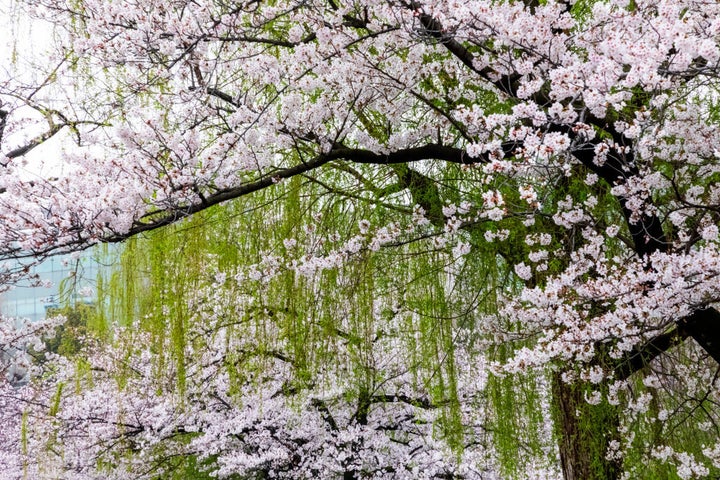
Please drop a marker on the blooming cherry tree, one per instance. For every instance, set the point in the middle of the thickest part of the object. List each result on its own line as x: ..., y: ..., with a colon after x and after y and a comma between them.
x: 556, y: 161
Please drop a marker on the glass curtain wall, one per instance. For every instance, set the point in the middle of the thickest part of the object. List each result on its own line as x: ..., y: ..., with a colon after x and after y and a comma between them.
x: 65, y: 280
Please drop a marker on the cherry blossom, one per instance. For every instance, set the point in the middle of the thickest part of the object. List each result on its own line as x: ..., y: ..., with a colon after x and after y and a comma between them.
x: 553, y: 164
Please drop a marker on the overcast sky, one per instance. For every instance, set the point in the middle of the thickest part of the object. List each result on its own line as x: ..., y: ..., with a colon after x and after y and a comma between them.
x: 24, y: 44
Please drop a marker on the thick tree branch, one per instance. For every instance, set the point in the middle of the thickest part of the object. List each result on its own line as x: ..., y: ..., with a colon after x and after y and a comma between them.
x: 214, y: 92
x: 35, y: 142
x: 415, y: 402
x: 3, y: 122
x: 704, y: 327
x: 641, y: 356
x: 506, y: 83
x: 424, y: 192
x: 646, y: 231
x: 432, y: 27
x: 701, y: 325
x: 322, y: 407
x: 161, y: 218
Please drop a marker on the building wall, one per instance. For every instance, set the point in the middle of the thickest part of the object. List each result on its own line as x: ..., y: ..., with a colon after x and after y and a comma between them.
x: 60, y: 274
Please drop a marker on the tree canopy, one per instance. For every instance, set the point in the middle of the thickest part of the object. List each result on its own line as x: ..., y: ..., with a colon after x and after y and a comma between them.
x: 378, y: 239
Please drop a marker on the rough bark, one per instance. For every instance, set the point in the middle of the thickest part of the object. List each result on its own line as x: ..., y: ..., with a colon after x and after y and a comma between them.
x: 584, y: 433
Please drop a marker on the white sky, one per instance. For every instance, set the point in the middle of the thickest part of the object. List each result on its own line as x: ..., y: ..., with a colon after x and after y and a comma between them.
x: 24, y: 43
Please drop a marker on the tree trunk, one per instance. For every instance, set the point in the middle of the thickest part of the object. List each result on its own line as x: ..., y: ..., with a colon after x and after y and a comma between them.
x: 584, y: 433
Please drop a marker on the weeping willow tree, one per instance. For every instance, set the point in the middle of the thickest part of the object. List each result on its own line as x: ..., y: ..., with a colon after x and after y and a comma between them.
x: 301, y: 279
x: 358, y: 291
x: 315, y: 279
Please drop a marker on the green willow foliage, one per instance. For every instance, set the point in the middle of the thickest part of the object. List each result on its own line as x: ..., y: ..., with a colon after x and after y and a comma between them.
x: 445, y: 301
x: 158, y: 277
x: 158, y: 274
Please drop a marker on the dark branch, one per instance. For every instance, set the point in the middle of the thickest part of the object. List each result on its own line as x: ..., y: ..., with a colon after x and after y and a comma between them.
x: 3, y: 122
x: 433, y: 28
x: 703, y: 327
x: 39, y: 140
x: 415, y: 402
x: 161, y: 218
x: 321, y: 407
x: 646, y: 231
x: 214, y: 92
x: 641, y: 356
